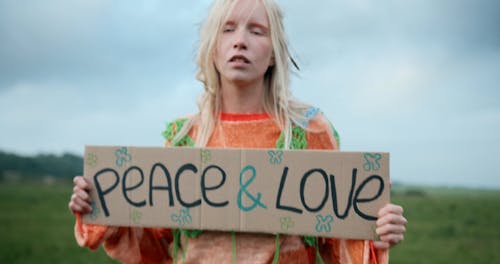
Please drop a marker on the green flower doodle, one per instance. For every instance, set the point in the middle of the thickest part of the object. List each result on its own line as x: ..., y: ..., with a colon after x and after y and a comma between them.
x: 94, y: 214
x: 135, y: 216
x: 372, y: 161
x: 206, y: 155
x: 122, y: 156
x: 286, y: 223
x: 91, y: 159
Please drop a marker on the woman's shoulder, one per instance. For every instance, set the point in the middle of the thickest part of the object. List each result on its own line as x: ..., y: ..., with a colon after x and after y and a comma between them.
x: 176, y: 126
x: 321, y: 133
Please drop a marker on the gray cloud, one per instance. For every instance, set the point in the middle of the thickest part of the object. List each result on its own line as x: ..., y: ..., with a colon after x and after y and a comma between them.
x: 416, y: 78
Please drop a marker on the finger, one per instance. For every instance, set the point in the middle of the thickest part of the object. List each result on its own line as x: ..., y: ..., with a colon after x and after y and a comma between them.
x: 82, y: 194
x: 74, y: 208
x: 381, y: 245
x: 80, y: 205
x: 390, y: 208
x: 390, y: 229
x: 392, y: 239
x: 392, y: 219
x: 81, y: 182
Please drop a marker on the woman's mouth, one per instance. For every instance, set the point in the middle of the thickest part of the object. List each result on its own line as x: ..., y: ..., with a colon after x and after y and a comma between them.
x: 239, y: 58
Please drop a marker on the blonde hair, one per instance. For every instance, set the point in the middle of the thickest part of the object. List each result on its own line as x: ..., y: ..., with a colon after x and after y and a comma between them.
x: 278, y: 101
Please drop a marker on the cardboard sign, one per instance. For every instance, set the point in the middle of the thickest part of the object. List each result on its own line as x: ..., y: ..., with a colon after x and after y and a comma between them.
x: 314, y: 193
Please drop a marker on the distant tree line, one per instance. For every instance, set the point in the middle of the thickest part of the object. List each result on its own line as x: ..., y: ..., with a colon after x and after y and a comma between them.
x: 44, y: 166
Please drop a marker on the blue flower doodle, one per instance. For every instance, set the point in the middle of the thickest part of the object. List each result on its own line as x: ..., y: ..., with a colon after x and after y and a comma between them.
x: 324, y: 223
x: 286, y: 223
x: 183, y: 218
x: 275, y: 157
x: 372, y: 161
x: 122, y: 156
x: 94, y: 214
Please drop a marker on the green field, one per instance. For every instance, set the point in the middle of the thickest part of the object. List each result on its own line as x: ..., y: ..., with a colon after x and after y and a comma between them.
x: 445, y: 226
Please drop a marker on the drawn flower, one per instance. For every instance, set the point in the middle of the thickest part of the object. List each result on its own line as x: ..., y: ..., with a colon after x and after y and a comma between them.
x: 372, y: 161
x: 135, y: 216
x: 91, y: 159
x: 122, y: 156
x: 286, y: 223
x: 183, y: 218
x: 206, y: 155
x: 94, y: 214
x: 323, y: 224
x: 275, y: 157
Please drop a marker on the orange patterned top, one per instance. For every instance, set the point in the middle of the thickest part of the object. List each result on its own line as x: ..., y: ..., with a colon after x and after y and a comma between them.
x: 156, y: 245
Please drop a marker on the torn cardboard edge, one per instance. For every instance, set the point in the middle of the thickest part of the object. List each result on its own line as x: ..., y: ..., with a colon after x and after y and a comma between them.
x: 303, y: 192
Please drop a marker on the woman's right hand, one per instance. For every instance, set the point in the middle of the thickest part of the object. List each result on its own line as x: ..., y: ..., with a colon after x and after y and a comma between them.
x: 80, y: 200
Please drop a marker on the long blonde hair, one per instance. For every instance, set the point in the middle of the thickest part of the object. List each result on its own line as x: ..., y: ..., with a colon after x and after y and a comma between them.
x: 278, y: 101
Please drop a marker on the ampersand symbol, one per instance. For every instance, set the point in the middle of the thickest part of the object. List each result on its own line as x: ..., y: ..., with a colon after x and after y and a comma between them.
x: 324, y: 223
x: 243, y: 189
x: 372, y: 161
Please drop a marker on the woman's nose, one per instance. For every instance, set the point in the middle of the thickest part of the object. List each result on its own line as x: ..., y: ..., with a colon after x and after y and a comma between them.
x: 240, y: 41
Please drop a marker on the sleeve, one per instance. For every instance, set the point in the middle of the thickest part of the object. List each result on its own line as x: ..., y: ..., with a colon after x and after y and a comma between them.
x: 133, y: 244
x: 91, y: 236
x: 321, y: 134
x: 126, y: 244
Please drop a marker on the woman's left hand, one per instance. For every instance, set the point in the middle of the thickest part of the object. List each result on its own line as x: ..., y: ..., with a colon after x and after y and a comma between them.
x: 391, y: 226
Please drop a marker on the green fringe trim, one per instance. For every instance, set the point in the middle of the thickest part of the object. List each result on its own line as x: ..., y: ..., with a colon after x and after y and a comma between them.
x: 233, y: 242
x: 191, y: 233
x: 335, y: 135
x: 299, y: 140
x: 177, y: 238
x: 276, y: 258
x: 310, y: 241
x: 313, y: 242
x: 172, y: 129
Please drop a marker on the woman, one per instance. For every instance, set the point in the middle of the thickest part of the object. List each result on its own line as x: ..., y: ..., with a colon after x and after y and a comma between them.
x: 244, y: 65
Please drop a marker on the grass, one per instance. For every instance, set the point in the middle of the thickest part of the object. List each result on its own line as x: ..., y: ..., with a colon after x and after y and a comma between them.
x: 445, y: 226
x: 449, y: 226
x: 37, y: 227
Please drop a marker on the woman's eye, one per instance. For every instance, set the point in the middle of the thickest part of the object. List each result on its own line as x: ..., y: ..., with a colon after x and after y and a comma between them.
x: 228, y: 29
x: 257, y: 31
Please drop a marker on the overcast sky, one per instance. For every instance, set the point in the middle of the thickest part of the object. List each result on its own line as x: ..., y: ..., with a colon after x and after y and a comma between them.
x: 417, y: 78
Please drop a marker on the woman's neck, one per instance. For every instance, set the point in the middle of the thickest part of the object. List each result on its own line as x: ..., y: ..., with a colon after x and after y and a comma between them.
x: 244, y: 98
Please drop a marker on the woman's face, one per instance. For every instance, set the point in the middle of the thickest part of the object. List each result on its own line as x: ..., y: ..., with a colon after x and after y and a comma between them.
x: 244, y: 49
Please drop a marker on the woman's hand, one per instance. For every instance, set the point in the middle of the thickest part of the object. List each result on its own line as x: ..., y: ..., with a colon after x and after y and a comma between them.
x: 80, y: 200
x: 390, y: 226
